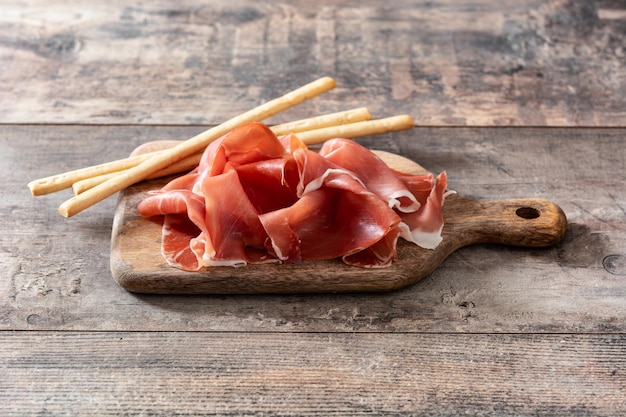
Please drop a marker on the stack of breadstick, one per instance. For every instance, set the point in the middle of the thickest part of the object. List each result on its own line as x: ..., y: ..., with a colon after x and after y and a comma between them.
x: 95, y: 183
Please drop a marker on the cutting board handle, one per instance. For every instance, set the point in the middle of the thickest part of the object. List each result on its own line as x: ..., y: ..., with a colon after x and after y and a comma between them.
x: 527, y: 222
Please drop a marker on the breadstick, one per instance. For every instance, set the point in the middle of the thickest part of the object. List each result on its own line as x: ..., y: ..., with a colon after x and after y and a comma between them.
x: 186, y: 164
x: 193, y: 145
x: 326, y: 120
x: 59, y: 182
x: 309, y: 137
x: 67, y: 179
x: 358, y: 129
x: 83, y: 185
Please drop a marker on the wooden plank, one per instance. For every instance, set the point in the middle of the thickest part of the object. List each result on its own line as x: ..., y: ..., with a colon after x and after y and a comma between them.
x: 56, y: 272
x: 485, y: 62
x: 311, y: 374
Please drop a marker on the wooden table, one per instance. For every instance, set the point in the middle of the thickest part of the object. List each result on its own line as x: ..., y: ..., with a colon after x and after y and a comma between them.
x: 511, y: 98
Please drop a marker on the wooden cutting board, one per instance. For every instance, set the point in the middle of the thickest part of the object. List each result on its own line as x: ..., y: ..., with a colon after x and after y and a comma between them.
x: 138, y: 266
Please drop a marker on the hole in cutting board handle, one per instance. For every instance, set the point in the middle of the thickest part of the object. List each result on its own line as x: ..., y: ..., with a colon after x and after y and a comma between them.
x: 527, y: 213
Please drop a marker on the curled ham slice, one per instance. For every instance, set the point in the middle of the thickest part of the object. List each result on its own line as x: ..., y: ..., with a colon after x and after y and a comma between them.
x: 255, y: 198
x: 373, y: 172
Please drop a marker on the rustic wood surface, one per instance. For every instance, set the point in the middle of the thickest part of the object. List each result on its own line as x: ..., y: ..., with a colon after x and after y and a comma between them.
x: 312, y: 374
x: 516, y: 99
x: 482, y: 62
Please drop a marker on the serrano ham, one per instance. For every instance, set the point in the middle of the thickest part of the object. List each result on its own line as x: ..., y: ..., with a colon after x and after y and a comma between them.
x: 257, y: 198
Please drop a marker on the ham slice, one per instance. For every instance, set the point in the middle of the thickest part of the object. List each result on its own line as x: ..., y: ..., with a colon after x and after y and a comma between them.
x: 373, y: 172
x: 255, y: 198
x: 184, y: 233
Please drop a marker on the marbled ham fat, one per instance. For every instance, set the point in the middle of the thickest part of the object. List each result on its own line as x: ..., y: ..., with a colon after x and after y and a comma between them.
x: 255, y: 198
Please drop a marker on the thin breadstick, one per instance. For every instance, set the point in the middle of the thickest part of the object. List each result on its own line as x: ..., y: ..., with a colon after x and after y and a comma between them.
x: 83, y: 185
x: 325, y: 120
x: 358, y: 129
x: 193, y: 145
x: 310, y: 137
x: 186, y: 164
x: 67, y: 179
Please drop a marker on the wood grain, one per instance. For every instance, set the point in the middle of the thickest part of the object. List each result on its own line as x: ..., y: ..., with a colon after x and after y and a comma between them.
x: 495, y: 330
x: 481, y: 63
x: 56, y: 272
x: 138, y: 265
x: 311, y: 374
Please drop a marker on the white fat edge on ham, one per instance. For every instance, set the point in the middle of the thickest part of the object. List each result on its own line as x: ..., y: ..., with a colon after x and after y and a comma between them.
x: 278, y: 251
x: 422, y: 238
x: 318, y: 182
x: 197, y: 186
x: 426, y: 240
x: 209, y: 260
x: 394, y: 201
